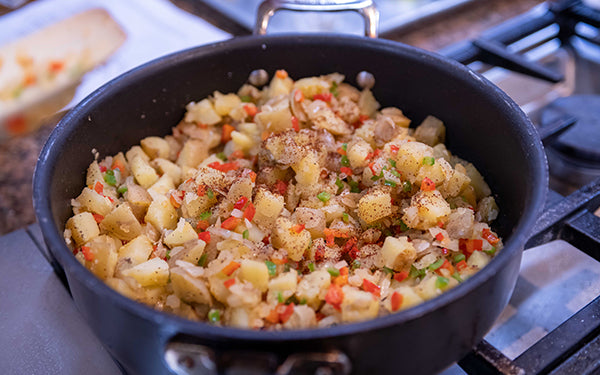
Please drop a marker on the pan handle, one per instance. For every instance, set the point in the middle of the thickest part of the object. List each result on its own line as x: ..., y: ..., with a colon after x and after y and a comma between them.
x: 366, y: 8
x: 185, y: 358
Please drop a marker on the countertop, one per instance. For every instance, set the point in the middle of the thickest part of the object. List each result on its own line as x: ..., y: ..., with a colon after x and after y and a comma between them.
x: 18, y: 156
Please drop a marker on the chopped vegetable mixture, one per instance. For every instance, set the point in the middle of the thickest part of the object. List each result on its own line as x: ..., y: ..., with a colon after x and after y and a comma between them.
x: 296, y: 205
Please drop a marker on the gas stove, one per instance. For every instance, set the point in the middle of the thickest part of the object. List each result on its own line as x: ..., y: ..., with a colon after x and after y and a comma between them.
x: 548, y: 60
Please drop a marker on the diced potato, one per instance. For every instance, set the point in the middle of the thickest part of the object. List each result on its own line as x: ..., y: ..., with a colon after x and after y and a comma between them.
x: 323, y: 117
x: 275, y: 121
x: 183, y: 233
x: 313, y: 287
x: 478, y: 259
x: 138, y: 250
x: 225, y: 103
x: 358, y: 305
x: 294, y: 243
x: 409, y: 158
x: 279, y: 86
x: 285, y: 284
x: 434, y: 172
x: 308, y: 170
x: 138, y: 199
x: 357, y: 154
x: 119, y: 160
x: 311, y: 86
x: 165, y: 166
x: 431, y: 131
x: 241, y: 141
x: 136, y: 151
x: 156, y: 147
x: 396, y: 116
x: 189, y: 289
x: 161, y: 214
x: 427, y: 288
x: 409, y: 297
x: 218, y: 290
x: 122, y: 223
x: 268, y: 207
x: 94, y: 175
x: 487, y: 209
x: 240, y: 188
x: 426, y: 209
x: 83, y: 228
x: 193, y: 205
x: 367, y: 103
x: 456, y: 183
x: 194, y: 251
x: 94, y: 202
x: 398, y: 254
x: 144, y: 174
x: 162, y: 186
x: 202, y: 112
x: 194, y: 151
x: 122, y: 287
x: 239, y: 317
x: 154, y: 272
x: 313, y: 219
x: 104, y: 251
x: 481, y: 187
x: 256, y: 273
x: 375, y: 205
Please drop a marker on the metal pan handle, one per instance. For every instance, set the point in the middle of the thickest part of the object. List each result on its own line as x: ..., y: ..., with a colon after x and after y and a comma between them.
x: 366, y: 8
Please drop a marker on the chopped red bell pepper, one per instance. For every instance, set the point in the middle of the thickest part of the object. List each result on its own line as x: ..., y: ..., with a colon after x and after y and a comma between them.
x: 102, y: 168
x: 427, y: 184
x: 225, y: 167
x: 335, y: 296
x: 56, y: 66
x: 401, y: 276
x: 237, y: 154
x: 298, y: 96
x: 203, y: 224
x: 281, y: 74
x: 372, y: 288
x: 394, y: 149
x: 201, y: 191
x: 489, y: 236
x: 460, y: 266
x: 226, y: 133
x: 341, y: 151
x: 468, y: 246
x: 204, y: 236
x: 447, y: 266
x: 295, y: 124
x: 240, y: 203
x: 371, y: 164
x: 324, y: 97
x: 273, y: 316
x: 87, y: 253
x: 251, y: 110
x: 98, y: 218
x: 229, y: 282
x: 297, y: 228
x: 249, y: 212
x: 99, y: 188
x: 287, y: 312
x: 396, y: 301
x: 118, y: 164
x: 231, y: 223
x: 281, y: 187
x: 252, y: 175
x: 230, y: 268
x: 346, y: 171
x: 439, y: 237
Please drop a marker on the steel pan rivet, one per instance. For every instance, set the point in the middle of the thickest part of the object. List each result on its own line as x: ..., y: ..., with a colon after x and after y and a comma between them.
x: 365, y: 80
x: 258, y: 77
x: 186, y: 361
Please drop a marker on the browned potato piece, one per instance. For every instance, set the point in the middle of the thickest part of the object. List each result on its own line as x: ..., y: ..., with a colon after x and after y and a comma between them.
x: 104, y: 256
x: 122, y: 223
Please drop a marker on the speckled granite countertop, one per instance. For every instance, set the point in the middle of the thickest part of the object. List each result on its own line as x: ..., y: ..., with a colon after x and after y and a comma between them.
x: 18, y: 156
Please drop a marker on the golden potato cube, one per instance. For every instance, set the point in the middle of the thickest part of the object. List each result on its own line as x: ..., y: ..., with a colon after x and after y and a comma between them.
x: 367, y: 103
x: 202, y: 112
x: 275, y: 121
x: 241, y: 141
x: 83, y: 228
x: 144, y: 174
x: 308, y: 170
x: 153, y: 272
x: 311, y: 86
x: 240, y: 188
x: 268, y: 207
x: 409, y: 158
x: 194, y: 151
x: 285, y: 284
x: 165, y: 166
x: 183, y: 233
x: 294, y: 243
x: 478, y: 259
x: 358, y: 305
x: 431, y: 131
x: 482, y: 189
x: 136, y: 151
x: 375, y: 205
x: 161, y: 214
x: 409, y: 297
x: 426, y: 209
x: 162, y: 186
x: 238, y: 317
x: 193, y: 205
x: 396, y: 116
x: 434, y: 172
x: 313, y: 287
x: 94, y: 202
x: 357, y: 154
x: 225, y: 103
x: 397, y: 253
x: 279, y: 86
x: 218, y: 290
x: 256, y: 273
x: 104, y: 251
x: 138, y: 250
x: 122, y: 287
x: 122, y: 223
x: 189, y: 289
x: 138, y: 199
x: 156, y: 147
x: 94, y: 175
x: 194, y: 252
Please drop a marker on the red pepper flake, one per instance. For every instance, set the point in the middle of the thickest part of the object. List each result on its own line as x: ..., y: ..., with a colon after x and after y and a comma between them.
x: 394, y: 149
x: 295, y: 124
x: 330, y: 240
x: 297, y: 228
x: 98, y: 218
x: 346, y: 171
x: 99, y: 188
x: 251, y: 110
x: 201, y: 191
x: 324, y: 97
x: 374, y: 289
x: 281, y: 187
x: 298, y: 96
x: 401, y: 276
x: 231, y: 223
x: 335, y: 296
x: 204, y: 236
x: 87, y: 253
x: 439, y: 237
x: 240, y: 203
x: 396, y: 301
x: 226, y: 133
x: 230, y: 268
x: 427, y: 184
x: 489, y: 236
x: 461, y: 266
x: 202, y: 224
x: 103, y: 168
x: 229, y: 282
x: 225, y: 167
x: 281, y: 74
x: 249, y: 212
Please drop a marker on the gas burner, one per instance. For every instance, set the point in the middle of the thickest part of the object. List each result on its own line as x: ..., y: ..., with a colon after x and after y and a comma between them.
x: 574, y: 156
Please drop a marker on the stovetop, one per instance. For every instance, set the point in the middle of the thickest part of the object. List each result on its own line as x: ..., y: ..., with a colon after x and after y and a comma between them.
x: 551, y: 324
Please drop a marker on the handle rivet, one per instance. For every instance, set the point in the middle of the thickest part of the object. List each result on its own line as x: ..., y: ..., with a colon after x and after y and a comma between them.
x: 365, y: 80
x: 258, y: 77
x: 187, y: 361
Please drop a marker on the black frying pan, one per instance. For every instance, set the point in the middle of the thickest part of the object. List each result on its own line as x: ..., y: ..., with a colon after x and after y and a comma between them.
x: 484, y: 126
